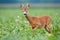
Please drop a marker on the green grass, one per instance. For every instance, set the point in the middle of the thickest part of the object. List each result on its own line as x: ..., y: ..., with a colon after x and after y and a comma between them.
x: 21, y: 30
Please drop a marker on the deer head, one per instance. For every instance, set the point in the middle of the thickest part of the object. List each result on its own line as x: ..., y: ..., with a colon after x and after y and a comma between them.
x: 24, y: 9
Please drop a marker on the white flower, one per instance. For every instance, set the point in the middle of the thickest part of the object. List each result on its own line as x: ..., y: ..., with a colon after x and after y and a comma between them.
x: 17, y: 19
x: 17, y: 16
x: 25, y: 21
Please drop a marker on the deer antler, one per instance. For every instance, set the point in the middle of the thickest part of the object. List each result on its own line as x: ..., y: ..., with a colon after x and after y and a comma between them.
x: 22, y: 6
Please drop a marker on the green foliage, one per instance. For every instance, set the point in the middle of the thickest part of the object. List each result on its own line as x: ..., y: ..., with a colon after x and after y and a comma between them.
x: 14, y: 26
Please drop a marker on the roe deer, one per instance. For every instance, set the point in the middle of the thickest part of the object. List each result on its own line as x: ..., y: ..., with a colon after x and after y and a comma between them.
x: 36, y: 22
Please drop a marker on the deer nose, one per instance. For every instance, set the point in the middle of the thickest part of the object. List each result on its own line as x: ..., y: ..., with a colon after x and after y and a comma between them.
x: 24, y: 14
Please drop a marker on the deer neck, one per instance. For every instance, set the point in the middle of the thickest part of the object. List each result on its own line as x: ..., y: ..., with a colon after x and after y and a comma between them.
x: 28, y: 17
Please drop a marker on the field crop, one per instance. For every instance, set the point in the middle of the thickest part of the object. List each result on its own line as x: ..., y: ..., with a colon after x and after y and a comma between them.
x: 14, y: 26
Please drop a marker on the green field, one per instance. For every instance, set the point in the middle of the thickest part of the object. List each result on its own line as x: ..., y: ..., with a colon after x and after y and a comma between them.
x: 14, y: 26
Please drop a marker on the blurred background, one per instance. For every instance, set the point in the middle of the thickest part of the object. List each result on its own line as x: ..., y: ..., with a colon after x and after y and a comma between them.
x: 34, y: 3
x: 14, y: 26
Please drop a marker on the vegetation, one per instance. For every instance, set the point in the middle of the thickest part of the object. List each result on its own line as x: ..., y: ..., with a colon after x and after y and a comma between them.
x: 14, y: 26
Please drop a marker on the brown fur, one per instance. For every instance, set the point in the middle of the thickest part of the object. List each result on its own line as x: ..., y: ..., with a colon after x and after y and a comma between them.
x: 38, y: 22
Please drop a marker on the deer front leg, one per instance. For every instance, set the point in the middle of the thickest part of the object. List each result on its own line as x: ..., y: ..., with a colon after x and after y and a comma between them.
x: 34, y: 27
x: 47, y: 28
x: 33, y: 31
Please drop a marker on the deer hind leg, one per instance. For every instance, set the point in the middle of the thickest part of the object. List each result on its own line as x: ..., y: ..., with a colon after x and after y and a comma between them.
x: 47, y: 28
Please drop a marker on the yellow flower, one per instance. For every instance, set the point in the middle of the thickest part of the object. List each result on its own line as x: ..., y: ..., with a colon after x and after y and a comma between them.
x: 50, y: 34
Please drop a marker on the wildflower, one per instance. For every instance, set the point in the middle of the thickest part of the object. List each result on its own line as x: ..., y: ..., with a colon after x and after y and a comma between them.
x: 25, y: 21
x: 17, y: 19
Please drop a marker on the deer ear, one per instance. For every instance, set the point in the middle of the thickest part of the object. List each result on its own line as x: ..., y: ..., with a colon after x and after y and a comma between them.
x: 28, y: 6
x: 22, y: 6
